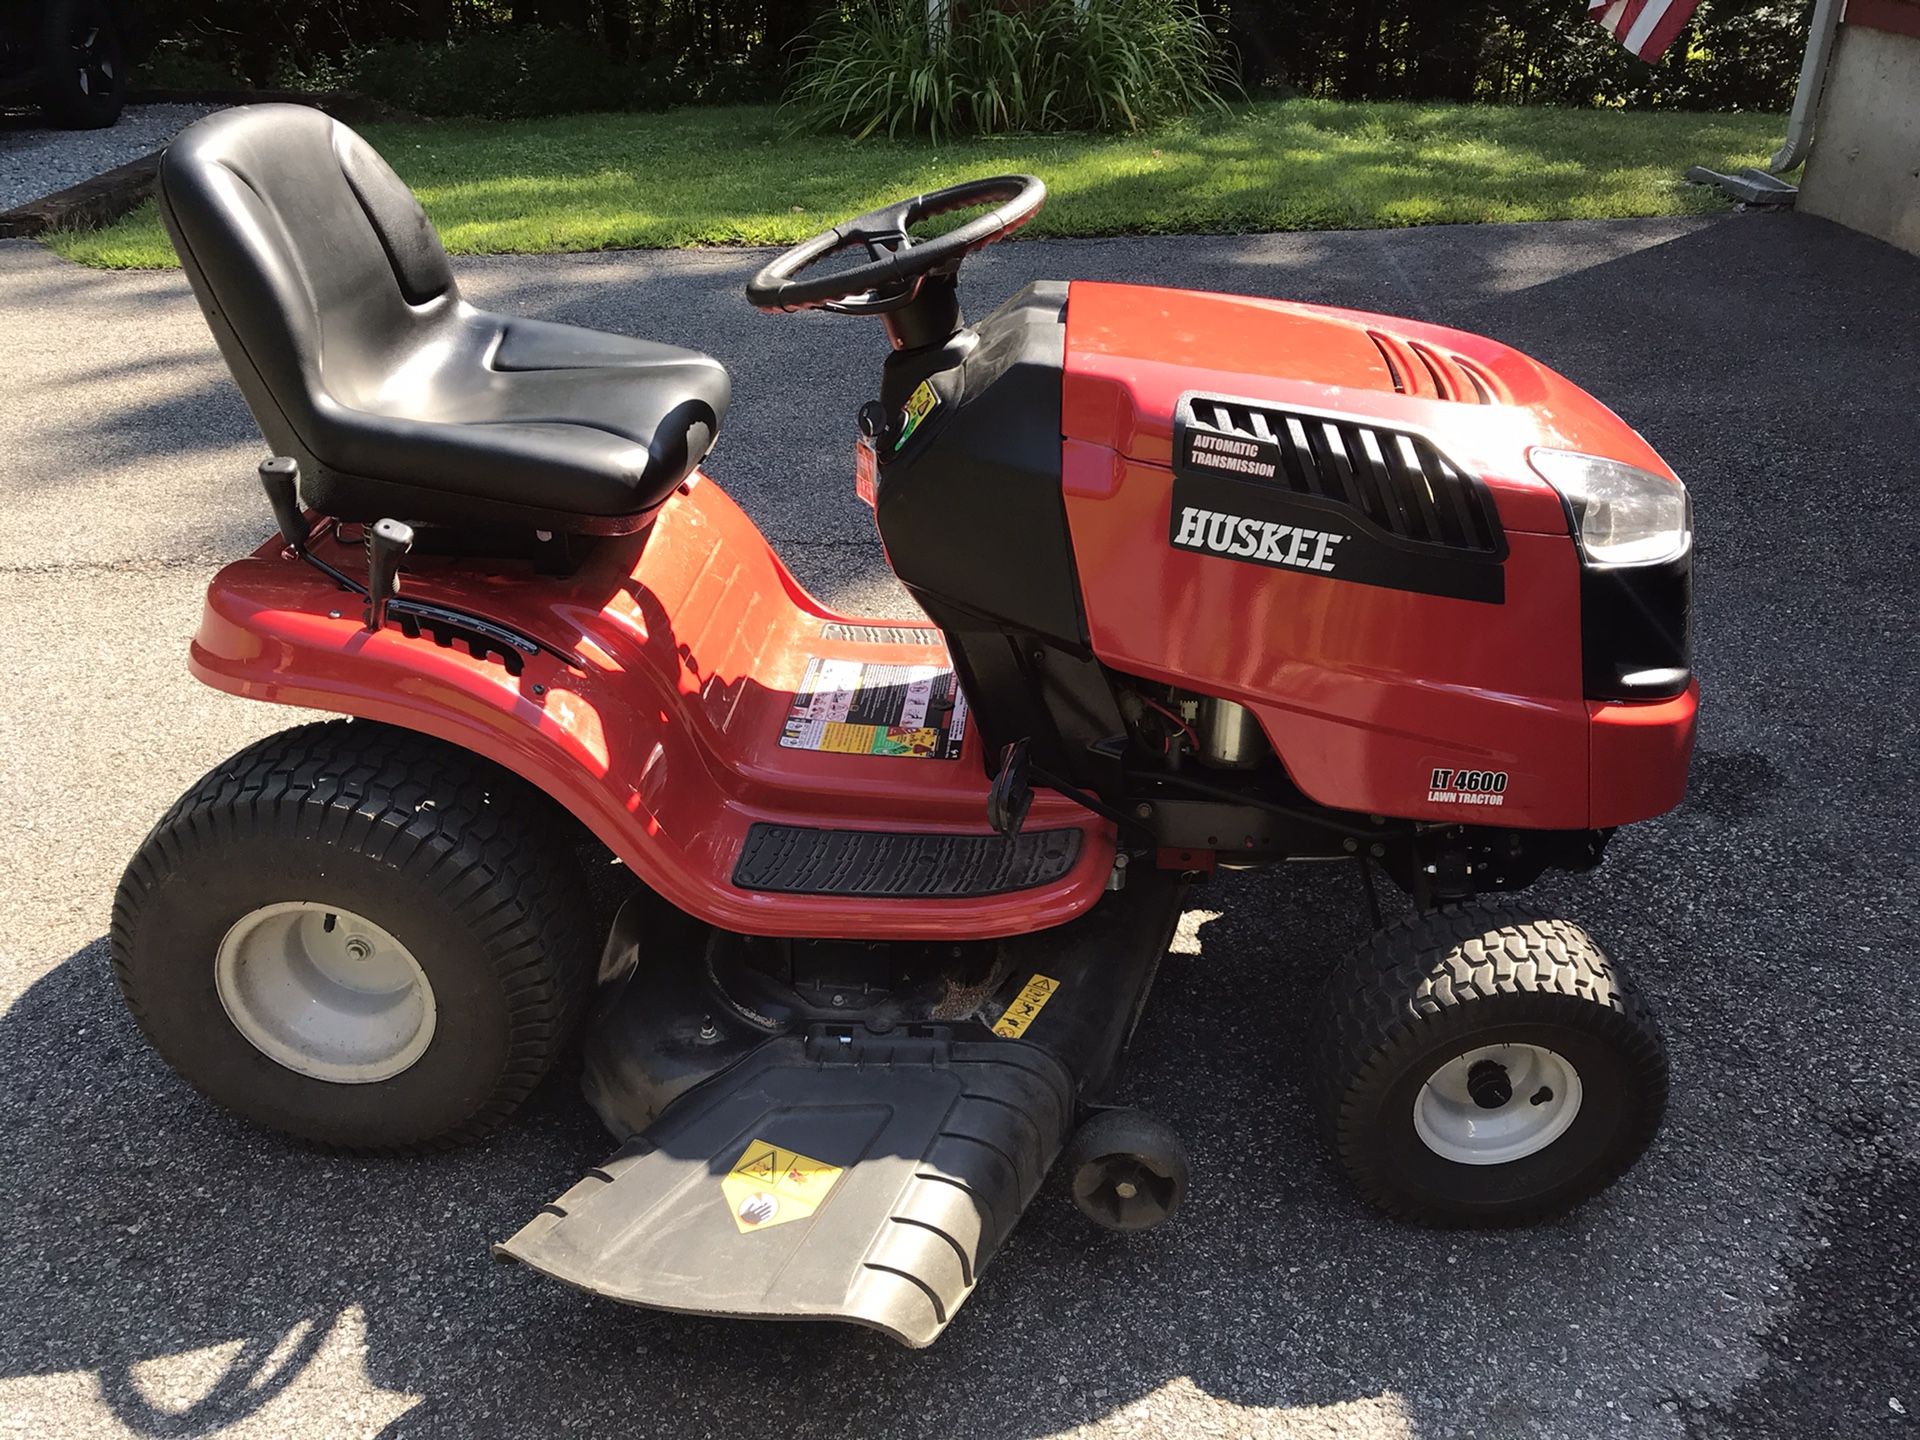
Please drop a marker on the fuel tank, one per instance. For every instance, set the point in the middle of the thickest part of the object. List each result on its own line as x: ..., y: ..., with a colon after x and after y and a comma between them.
x: 1329, y: 517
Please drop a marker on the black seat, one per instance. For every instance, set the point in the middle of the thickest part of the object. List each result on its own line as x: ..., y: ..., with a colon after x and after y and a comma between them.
x: 331, y: 298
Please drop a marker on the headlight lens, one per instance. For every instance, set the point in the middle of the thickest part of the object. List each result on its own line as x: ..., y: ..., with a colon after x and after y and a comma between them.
x: 1622, y: 514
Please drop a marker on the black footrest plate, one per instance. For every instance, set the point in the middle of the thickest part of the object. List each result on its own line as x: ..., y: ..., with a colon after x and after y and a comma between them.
x: 800, y: 860
x: 868, y: 1180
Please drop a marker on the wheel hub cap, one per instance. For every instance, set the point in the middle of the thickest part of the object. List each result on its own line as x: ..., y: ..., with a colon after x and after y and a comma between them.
x: 1128, y: 1189
x: 325, y: 992
x: 1488, y: 1084
x: 1497, y: 1104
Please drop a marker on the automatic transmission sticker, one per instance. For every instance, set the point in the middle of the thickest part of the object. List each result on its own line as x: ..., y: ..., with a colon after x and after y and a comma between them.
x: 850, y: 707
x: 770, y: 1186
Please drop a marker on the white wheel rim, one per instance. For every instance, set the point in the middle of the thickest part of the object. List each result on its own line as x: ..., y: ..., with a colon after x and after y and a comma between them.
x: 324, y: 992
x: 1454, y: 1117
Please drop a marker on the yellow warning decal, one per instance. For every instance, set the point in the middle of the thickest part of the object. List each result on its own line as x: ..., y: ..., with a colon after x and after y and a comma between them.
x: 922, y: 403
x: 1026, y: 1007
x: 770, y: 1186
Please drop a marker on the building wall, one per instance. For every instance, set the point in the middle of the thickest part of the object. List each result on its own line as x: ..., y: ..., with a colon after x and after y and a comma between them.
x: 1864, y: 170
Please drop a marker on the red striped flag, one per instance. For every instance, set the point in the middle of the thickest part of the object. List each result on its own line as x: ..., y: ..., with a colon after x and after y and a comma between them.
x: 1646, y: 27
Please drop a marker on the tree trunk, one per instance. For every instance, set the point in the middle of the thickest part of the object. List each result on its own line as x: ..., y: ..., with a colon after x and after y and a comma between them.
x: 1445, y: 41
x: 554, y: 14
x: 1362, y: 71
x: 789, y: 22
x: 1247, y: 29
x: 647, y: 39
x: 433, y: 20
x: 616, y: 27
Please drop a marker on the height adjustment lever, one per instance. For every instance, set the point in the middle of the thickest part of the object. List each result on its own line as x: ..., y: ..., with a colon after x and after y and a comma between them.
x: 387, y: 542
x: 1012, y: 792
x: 280, y: 478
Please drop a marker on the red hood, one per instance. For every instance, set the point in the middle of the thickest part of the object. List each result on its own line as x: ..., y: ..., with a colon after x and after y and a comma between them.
x: 1134, y: 350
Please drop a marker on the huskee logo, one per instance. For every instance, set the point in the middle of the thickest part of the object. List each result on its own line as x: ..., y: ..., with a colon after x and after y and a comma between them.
x: 1212, y: 532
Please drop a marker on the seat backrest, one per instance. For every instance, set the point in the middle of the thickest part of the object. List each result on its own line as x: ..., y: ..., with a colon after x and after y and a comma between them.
x: 317, y: 269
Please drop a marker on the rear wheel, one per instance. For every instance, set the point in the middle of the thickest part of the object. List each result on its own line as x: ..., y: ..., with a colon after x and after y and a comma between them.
x: 83, y: 71
x: 359, y: 936
x: 1484, y: 1064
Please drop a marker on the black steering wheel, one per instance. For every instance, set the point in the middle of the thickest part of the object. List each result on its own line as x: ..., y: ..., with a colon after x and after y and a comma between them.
x: 897, y: 264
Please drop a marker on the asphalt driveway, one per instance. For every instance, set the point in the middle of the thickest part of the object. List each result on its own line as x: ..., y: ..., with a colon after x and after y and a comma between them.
x: 166, y: 1271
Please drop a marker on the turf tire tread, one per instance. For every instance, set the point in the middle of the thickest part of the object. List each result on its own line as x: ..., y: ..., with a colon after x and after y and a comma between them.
x: 415, y: 804
x: 1423, y: 968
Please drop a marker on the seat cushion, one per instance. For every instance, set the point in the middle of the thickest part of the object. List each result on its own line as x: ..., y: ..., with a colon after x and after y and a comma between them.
x: 333, y: 303
x: 586, y: 428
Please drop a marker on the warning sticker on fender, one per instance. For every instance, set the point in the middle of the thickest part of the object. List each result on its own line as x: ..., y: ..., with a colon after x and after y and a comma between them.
x: 770, y: 1186
x: 1026, y: 1007
x: 850, y: 707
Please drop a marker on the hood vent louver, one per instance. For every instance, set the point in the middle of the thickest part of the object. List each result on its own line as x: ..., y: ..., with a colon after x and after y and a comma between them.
x: 1419, y: 370
x: 1396, y: 479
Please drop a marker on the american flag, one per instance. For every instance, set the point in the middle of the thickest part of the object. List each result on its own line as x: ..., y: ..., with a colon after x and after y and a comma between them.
x: 1646, y: 27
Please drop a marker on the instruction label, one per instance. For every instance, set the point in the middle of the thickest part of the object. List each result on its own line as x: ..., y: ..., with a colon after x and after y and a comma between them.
x: 770, y: 1186
x: 851, y: 707
x: 922, y: 403
x: 1026, y: 1007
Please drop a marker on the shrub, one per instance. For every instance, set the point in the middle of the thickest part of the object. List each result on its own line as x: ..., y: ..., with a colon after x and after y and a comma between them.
x: 513, y: 74
x: 1046, y: 65
x: 502, y: 74
x: 180, y: 65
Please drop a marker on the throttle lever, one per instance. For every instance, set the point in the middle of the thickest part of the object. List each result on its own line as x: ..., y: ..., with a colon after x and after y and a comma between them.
x: 387, y: 542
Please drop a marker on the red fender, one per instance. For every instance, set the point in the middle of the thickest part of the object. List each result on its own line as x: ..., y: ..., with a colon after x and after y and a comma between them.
x: 666, y: 742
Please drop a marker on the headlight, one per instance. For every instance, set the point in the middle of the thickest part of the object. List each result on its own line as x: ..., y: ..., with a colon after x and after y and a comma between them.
x: 1622, y: 515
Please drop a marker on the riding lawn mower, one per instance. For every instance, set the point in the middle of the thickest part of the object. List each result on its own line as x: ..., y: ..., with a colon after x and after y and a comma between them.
x: 1205, y: 582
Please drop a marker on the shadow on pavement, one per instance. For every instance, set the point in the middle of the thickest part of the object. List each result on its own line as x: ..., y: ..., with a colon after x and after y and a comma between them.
x: 1856, y: 1282
x: 151, y: 1226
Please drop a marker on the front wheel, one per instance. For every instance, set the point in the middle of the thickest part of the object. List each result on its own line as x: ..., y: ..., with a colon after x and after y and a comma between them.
x: 1485, y: 1065
x: 359, y: 936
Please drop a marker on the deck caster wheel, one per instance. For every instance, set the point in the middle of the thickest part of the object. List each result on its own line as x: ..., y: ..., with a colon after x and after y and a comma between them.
x: 1127, y: 1170
x: 1483, y: 1064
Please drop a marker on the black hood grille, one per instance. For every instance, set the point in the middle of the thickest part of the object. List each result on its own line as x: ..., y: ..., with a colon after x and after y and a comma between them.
x: 1395, y: 479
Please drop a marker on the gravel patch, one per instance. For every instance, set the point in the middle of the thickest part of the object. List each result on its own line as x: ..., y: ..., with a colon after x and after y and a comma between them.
x: 36, y: 161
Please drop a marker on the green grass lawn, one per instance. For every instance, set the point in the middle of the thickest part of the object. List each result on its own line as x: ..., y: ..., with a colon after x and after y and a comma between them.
x: 731, y: 177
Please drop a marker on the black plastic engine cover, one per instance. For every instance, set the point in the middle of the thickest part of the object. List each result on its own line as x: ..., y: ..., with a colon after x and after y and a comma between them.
x: 969, y: 504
